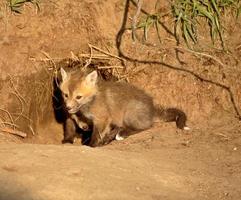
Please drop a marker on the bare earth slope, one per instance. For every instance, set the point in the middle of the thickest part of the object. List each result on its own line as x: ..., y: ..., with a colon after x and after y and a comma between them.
x: 156, y: 164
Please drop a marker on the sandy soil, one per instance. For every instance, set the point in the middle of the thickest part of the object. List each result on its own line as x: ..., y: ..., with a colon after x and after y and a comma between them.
x: 159, y: 163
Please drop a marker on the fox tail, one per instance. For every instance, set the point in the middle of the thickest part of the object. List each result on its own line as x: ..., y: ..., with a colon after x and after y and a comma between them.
x: 173, y: 115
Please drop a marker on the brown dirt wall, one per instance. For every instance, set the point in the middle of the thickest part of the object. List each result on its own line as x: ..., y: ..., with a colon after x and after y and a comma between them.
x: 191, y: 82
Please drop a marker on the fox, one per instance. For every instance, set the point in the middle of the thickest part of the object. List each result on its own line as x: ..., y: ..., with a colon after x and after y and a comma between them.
x: 113, y: 108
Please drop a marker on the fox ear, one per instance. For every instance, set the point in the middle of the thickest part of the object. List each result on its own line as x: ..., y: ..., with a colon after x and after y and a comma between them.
x: 91, y: 78
x: 63, y: 74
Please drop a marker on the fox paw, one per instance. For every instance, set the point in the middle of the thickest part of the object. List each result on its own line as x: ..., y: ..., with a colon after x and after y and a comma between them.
x: 118, y: 137
x: 67, y: 141
x: 186, y: 128
x: 85, y: 128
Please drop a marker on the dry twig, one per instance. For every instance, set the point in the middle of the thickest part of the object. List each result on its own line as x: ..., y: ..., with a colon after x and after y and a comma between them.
x: 15, y: 89
x: 73, y: 56
x: 107, y: 53
x: 13, y: 132
x: 31, y: 129
x: 238, y: 47
x: 51, y: 60
x: 134, y: 19
x: 18, y: 96
x: 9, y: 116
x: 90, y: 57
x: 110, y: 67
x: 9, y: 124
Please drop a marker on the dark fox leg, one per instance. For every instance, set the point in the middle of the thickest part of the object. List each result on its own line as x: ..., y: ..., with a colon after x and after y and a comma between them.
x: 125, y: 133
x: 69, y: 131
x: 103, y: 133
x: 99, y: 131
x: 95, y: 138
x: 112, y: 135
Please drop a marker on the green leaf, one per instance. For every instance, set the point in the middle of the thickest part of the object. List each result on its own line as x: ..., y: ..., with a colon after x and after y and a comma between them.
x: 17, y: 2
x: 185, y: 32
x: 215, y: 6
x: 238, y: 12
x: 157, y: 30
x: 217, y: 22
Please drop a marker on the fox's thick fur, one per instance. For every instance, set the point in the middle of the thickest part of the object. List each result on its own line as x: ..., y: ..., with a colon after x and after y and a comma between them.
x: 112, y: 107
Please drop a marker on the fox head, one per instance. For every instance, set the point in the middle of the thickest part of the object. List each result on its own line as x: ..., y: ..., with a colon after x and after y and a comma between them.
x: 78, y: 89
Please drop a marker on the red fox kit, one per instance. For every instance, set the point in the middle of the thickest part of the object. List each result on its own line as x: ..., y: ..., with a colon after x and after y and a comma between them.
x: 111, y: 106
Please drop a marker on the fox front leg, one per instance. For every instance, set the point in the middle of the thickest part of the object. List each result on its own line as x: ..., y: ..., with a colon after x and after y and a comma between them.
x: 95, y: 138
x: 69, y: 131
x: 101, y: 130
x: 84, y: 126
x: 112, y: 135
x: 104, y: 139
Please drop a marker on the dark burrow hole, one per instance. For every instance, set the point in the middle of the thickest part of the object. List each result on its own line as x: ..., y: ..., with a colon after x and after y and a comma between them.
x: 36, y: 105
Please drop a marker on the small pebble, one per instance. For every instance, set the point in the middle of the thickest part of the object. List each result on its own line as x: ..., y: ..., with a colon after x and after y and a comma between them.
x: 226, y: 193
x: 137, y: 188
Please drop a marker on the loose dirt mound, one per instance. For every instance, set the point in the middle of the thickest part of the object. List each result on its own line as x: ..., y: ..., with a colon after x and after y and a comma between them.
x: 156, y: 164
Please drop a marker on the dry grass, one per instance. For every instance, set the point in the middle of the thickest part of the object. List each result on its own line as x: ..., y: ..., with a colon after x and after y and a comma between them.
x: 98, y: 59
x: 8, y: 121
x: 4, y: 17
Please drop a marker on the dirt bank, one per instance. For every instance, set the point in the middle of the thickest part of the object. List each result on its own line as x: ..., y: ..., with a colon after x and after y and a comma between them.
x: 160, y: 163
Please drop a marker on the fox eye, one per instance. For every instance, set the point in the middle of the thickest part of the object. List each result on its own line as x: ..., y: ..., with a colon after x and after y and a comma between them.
x: 66, y: 95
x: 78, y: 97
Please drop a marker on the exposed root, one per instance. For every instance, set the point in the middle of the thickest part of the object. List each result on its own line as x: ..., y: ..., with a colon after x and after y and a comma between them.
x: 202, y: 54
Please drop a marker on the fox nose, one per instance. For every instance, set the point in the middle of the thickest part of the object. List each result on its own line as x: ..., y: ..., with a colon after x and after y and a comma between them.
x: 68, y: 107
